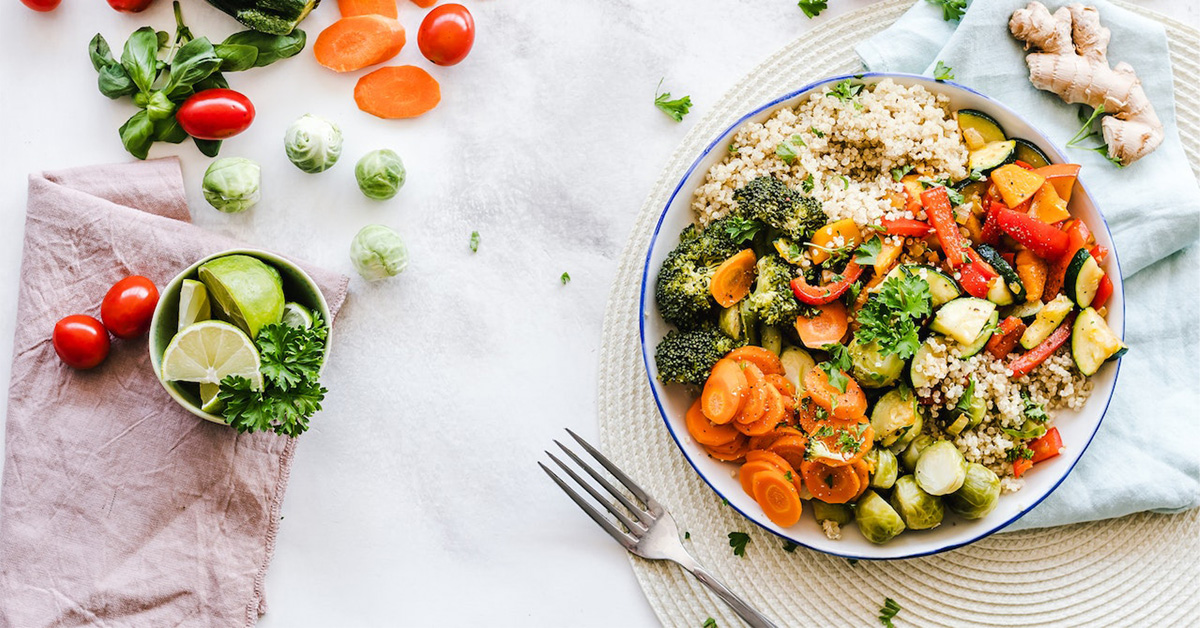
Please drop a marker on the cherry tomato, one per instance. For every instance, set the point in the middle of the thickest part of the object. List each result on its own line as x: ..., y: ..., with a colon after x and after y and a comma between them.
x: 129, y: 6
x: 42, y: 5
x: 128, y: 307
x: 80, y: 341
x: 447, y: 34
x: 215, y: 114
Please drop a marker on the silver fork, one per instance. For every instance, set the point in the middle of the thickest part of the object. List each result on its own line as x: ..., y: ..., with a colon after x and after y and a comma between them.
x: 653, y: 536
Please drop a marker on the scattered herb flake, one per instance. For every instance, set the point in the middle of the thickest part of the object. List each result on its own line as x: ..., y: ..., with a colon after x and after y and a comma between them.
x: 474, y: 242
x: 889, y: 610
x: 738, y: 541
x: 846, y: 90
x: 807, y: 184
x: 742, y: 230
x: 565, y: 278
x: 898, y: 173
x: 675, y: 108
x: 943, y: 72
x: 812, y: 8
x: 786, y: 150
x: 817, y: 132
x: 952, y: 10
x: 789, y: 546
x: 709, y: 623
x: 868, y: 253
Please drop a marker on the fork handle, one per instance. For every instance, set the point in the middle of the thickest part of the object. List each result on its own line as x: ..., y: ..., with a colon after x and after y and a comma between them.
x: 748, y: 613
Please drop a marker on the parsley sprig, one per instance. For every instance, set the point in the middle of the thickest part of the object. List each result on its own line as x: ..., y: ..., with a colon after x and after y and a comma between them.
x: 952, y: 10
x: 837, y: 365
x: 846, y: 90
x: 291, y: 393
x: 787, y: 150
x: 813, y: 8
x: 741, y: 230
x: 676, y: 108
x: 891, y: 318
x: 738, y: 541
x: 943, y: 72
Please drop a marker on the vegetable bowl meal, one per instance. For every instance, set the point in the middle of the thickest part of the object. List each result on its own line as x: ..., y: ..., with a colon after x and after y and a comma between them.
x: 240, y: 338
x: 888, y: 298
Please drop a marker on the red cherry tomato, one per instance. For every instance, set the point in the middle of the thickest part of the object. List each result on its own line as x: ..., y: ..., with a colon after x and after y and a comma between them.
x: 215, y: 114
x: 129, y: 6
x: 42, y: 5
x: 80, y: 341
x: 447, y: 34
x: 128, y: 307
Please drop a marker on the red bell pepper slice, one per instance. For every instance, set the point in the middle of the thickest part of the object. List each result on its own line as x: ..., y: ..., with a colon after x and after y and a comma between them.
x: 1006, y: 337
x: 1021, y: 465
x: 941, y: 214
x: 820, y: 295
x: 1030, y: 360
x: 1048, y: 446
x: 906, y: 227
x: 1044, y: 240
x: 1100, y: 252
x: 991, y: 231
x: 1103, y: 292
x: 974, y: 280
x: 1023, y: 164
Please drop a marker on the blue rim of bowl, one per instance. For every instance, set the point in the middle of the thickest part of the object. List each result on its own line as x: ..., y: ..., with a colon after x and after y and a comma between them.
x: 646, y: 275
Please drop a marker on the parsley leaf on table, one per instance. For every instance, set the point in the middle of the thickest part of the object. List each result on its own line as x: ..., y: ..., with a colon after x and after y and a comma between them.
x: 943, y: 72
x: 675, y: 108
x: 812, y: 8
x: 709, y: 623
x: 738, y: 541
x: 474, y: 244
x: 565, y: 278
x: 952, y: 10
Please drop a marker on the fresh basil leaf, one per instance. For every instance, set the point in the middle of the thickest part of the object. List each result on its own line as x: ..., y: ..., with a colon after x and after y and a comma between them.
x: 114, y: 82
x: 100, y: 53
x: 194, y: 62
x: 236, y: 57
x: 168, y: 130
x: 271, y: 48
x: 210, y: 148
x: 140, y: 56
x: 137, y: 134
x: 213, y: 81
x: 160, y: 107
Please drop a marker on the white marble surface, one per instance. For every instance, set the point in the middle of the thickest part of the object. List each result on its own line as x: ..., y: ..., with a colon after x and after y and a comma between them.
x: 415, y: 499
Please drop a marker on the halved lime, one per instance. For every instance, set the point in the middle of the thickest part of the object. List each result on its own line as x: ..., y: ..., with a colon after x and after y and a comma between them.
x: 246, y: 291
x: 208, y: 398
x: 296, y: 315
x: 194, y: 305
x: 209, y: 351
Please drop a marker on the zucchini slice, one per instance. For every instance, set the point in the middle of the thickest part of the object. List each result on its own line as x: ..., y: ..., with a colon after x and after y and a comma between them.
x: 1082, y: 278
x: 963, y: 319
x: 992, y: 155
x: 981, y: 341
x: 1006, y: 271
x: 919, y: 380
x: 1029, y: 153
x: 1093, y: 343
x: 1048, y: 319
x: 999, y: 293
x: 1026, y: 310
x: 942, y: 287
x: 982, y: 123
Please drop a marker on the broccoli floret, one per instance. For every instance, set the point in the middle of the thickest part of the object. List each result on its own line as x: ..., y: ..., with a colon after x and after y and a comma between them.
x: 769, y: 200
x: 772, y: 298
x: 687, y: 357
x: 682, y: 290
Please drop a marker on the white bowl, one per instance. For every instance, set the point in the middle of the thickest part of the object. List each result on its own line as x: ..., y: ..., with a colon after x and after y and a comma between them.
x: 1077, y: 427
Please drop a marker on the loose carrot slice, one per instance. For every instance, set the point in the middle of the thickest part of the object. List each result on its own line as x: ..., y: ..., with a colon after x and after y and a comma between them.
x: 724, y: 392
x: 730, y: 452
x: 806, y: 415
x: 404, y: 91
x: 351, y: 8
x: 778, y: 498
x: 826, y: 328
x: 776, y: 411
x: 353, y: 43
x: 832, y: 485
x: 848, y: 405
x: 706, y: 432
x: 757, y: 428
x: 732, y: 280
x: 766, y: 361
x: 790, y: 447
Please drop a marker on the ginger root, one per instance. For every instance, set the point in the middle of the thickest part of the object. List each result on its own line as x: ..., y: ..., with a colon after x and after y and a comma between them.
x: 1070, y: 59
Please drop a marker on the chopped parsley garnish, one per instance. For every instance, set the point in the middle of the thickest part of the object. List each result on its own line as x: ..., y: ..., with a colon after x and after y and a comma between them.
x: 1019, y: 452
x: 786, y: 150
x: 943, y: 72
x: 738, y: 541
x: 291, y: 393
x: 967, y: 398
x: 686, y: 535
x: 952, y: 10
x: 868, y: 253
x: 889, y: 610
x: 846, y: 90
x: 741, y: 230
x: 733, y: 148
x: 898, y: 173
x: 847, y: 443
x: 565, y: 278
x: 838, y: 363
x: 474, y: 244
x: 788, y: 475
x: 891, y: 317
x: 807, y: 184
x: 789, y: 546
x: 976, y: 175
x: 709, y: 623
x: 812, y: 8
x: 1033, y: 410
x: 815, y: 131
x: 675, y: 108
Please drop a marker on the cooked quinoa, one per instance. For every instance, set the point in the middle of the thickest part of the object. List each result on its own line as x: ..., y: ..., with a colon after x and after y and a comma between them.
x: 848, y: 147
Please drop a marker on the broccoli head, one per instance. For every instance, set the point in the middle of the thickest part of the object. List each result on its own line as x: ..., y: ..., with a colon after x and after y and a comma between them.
x: 682, y: 289
x: 769, y: 200
x: 687, y: 357
x: 772, y: 298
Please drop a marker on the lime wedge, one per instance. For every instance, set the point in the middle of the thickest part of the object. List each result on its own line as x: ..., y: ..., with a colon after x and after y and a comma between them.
x: 246, y: 291
x: 208, y: 398
x: 194, y: 305
x: 209, y: 351
x: 296, y: 315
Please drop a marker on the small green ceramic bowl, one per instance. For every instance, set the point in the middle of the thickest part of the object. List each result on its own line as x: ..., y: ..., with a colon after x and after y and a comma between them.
x: 297, y: 286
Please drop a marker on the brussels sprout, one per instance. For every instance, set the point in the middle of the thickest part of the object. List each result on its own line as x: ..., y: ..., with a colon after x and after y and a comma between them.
x: 232, y: 184
x: 771, y: 339
x: 380, y: 174
x: 877, y: 521
x: 839, y: 513
x: 378, y: 252
x: 871, y: 367
x: 886, y: 467
x: 796, y: 364
x: 978, y: 495
x: 313, y: 143
x: 941, y: 468
x: 909, y: 435
x: 893, y: 415
x: 918, y: 509
x: 912, y: 453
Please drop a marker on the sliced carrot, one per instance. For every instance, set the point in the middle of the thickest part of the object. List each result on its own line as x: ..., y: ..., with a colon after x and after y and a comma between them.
x: 790, y: 447
x: 832, y: 485
x: 351, y: 8
x: 404, y: 91
x: 730, y: 452
x: 724, y: 392
x: 757, y: 428
x: 706, y: 432
x: 732, y: 280
x: 778, y: 498
x: 755, y: 405
x: 826, y: 328
x: 864, y: 476
x: 764, y: 441
x: 353, y: 43
x: 751, y: 468
x: 848, y: 405
x: 769, y: 456
x: 424, y: 4
x: 782, y: 384
x: 776, y: 411
x: 766, y: 361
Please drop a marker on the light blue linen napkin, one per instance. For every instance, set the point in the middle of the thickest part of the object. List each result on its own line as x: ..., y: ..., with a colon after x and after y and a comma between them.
x: 1146, y: 455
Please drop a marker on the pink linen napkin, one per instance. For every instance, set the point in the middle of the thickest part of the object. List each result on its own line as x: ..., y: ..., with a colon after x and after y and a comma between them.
x: 117, y: 506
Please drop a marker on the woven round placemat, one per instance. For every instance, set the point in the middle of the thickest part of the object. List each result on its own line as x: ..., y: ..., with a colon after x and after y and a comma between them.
x: 1140, y: 570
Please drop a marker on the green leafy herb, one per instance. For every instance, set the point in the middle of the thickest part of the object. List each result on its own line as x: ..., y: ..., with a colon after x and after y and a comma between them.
x: 847, y: 443
x: 807, y: 184
x: 1019, y: 452
x: 967, y: 398
x: 891, y: 317
x: 889, y: 610
x: 291, y: 360
x: 952, y: 10
x: 675, y: 108
x: 1033, y: 410
x: 868, y: 253
x: 474, y: 243
x: 846, y: 90
x: 835, y: 367
x: 976, y: 175
x: 813, y: 8
x: 738, y: 541
x: 786, y: 150
x: 565, y: 278
x: 815, y: 131
x: 1087, y: 132
x: 789, y: 546
x: 686, y: 535
x: 898, y: 173
x: 733, y: 148
x: 943, y: 72
x: 709, y: 623
x: 741, y: 230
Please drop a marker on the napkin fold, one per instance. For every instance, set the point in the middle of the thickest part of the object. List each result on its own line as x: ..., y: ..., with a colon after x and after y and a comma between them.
x: 118, y: 507
x: 1146, y: 455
